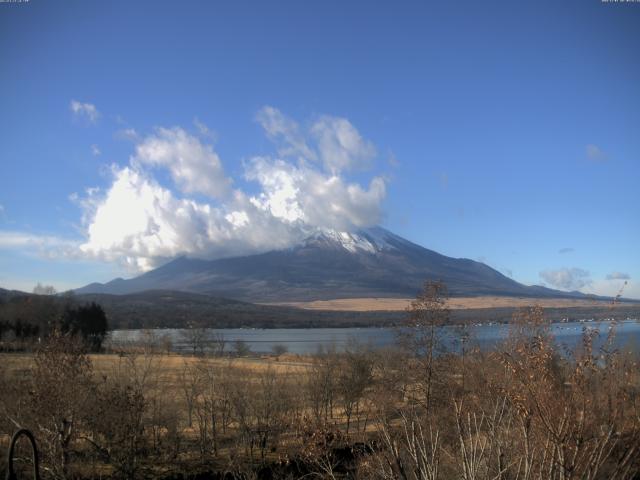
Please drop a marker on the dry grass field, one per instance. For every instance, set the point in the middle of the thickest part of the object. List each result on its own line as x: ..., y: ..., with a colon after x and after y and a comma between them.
x: 179, y: 393
x: 460, y: 303
x: 171, y: 366
x: 527, y: 409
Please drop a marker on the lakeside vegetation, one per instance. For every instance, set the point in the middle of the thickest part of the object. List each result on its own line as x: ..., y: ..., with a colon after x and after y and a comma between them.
x: 172, y: 309
x: 526, y: 410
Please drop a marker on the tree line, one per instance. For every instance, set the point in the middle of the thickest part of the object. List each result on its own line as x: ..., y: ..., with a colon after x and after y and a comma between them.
x: 26, y: 320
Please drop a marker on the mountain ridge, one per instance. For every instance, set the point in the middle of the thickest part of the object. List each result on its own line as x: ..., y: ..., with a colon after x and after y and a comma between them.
x: 329, y: 264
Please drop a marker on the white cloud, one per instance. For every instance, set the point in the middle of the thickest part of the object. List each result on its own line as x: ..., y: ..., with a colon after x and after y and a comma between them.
x: 340, y: 145
x: 595, y: 153
x: 140, y: 223
x: 280, y: 183
x: 333, y: 141
x: 611, y: 288
x: 95, y: 150
x: 194, y: 166
x: 138, y: 220
x: 129, y: 134
x: 85, y: 110
x: 11, y: 239
x: 301, y: 193
x: 286, y: 132
x: 618, y: 276
x: 204, y: 130
x: 567, y: 278
x: 47, y: 246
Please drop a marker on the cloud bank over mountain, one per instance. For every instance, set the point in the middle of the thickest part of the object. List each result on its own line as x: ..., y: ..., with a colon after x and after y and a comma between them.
x: 618, y: 276
x: 567, y: 278
x: 140, y: 222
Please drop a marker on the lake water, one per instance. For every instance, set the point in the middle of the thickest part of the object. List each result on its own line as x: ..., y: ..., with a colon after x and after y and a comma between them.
x: 308, y: 340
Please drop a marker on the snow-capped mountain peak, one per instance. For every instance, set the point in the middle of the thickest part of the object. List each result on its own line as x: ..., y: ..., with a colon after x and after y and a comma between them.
x: 366, y: 263
x: 370, y: 240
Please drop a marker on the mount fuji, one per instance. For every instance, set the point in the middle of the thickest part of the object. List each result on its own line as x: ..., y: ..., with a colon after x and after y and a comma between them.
x: 371, y: 262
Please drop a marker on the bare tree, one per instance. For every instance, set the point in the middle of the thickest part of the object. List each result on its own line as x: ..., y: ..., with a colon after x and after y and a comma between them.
x: 116, y: 426
x: 241, y: 348
x: 191, y: 387
x: 61, y: 392
x: 279, y: 349
x: 218, y: 344
x: 354, y: 376
x: 41, y: 289
x: 166, y: 343
x: 212, y: 405
x: 196, y: 338
x: 321, y: 384
x: 420, y: 335
x: 411, y: 452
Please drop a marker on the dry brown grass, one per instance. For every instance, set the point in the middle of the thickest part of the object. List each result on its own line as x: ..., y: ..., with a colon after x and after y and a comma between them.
x: 525, y: 410
x: 460, y: 303
x: 171, y: 366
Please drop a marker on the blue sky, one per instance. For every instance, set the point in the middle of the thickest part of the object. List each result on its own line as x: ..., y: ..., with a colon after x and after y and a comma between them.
x: 507, y: 132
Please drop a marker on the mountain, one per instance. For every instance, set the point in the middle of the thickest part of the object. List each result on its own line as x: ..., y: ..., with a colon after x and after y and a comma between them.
x: 369, y: 263
x: 6, y: 295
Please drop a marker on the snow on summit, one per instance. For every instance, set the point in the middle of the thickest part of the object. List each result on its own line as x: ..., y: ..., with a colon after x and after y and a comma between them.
x: 370, y: 240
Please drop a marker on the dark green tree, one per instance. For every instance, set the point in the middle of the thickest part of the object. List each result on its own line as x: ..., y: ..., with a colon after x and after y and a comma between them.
x: 87, y: 321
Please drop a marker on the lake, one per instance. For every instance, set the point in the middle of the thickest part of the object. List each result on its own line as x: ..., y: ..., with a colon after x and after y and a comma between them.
x: 308, y: 340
